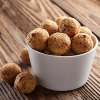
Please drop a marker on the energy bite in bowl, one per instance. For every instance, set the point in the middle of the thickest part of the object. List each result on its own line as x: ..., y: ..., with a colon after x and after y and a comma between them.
x: 70, y: 26
x: 59, y: 19
x: 81, y: 43
x: 84, y: 29
x: 50, y: 26
x: 59, y: 43
x: 37, y: 38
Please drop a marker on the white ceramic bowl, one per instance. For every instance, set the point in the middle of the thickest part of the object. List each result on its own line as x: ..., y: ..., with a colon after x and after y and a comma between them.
x: 62, y: 73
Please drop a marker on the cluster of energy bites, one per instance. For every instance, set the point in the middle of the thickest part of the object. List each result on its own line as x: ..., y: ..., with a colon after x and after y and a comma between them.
x: 63, y: 37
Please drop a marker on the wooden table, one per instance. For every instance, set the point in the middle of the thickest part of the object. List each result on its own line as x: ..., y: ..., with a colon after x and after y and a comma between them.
x: 18, y: 17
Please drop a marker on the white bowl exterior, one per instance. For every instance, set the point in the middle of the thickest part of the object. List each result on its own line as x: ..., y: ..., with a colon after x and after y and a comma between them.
x: 61, y: 73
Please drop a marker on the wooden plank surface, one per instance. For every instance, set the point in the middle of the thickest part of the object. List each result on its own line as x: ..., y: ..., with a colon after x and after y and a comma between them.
x: 9, y: 93
x: 18, y: 17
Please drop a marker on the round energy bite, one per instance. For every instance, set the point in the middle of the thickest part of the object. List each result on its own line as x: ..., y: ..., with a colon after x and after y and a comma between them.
x: 81, y: 43
x: 9, y: 72
x: 86, y: 30
x: 25, y: 56
x: 59, y: 19
x: 37, y: 38
x: 70, y: 26
x: 59, y: 43
x: 25, y: 82
x: 50, y: 26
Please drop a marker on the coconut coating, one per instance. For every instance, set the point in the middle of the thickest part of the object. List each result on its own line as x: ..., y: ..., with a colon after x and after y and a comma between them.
x: 25, y: 56
x: 37, y: 38
x: 25, y: 82
x: 59, y: 19
x: 81, y: 43
x: 59, y: 43
x: 9, y: 72
x: 70, y: 26
x: 86, y: 30
x: 50, y: 26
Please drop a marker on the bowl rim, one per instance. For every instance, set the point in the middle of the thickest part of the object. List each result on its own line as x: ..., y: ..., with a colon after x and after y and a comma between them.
x: 57, y: 56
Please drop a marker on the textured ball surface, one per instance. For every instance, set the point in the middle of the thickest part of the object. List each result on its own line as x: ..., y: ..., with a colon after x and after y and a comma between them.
x: 70, y: 26
x: 81, y: 43
x: 37, y: 38
x: 25, y: 56
x: 50, y: 26
x: 59, y: 43
x: 25, y: 82
x: 86, y: 30
x: 59, y: 19
x: 9, y: 72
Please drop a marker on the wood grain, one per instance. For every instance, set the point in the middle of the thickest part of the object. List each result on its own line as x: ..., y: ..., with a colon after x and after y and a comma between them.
x: 84, y: 11
x: 9, y: 93
x: 18, y: 17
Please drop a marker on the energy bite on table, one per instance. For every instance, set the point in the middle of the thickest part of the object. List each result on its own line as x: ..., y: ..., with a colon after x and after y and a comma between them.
x: 37, y: 38
x: 59, y: 43
x: 25, y: 82
x: 81, y: 43
x: 50, y: 26
x: 70, y: 26
x: 25, y: 56
x: 9, y: 71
